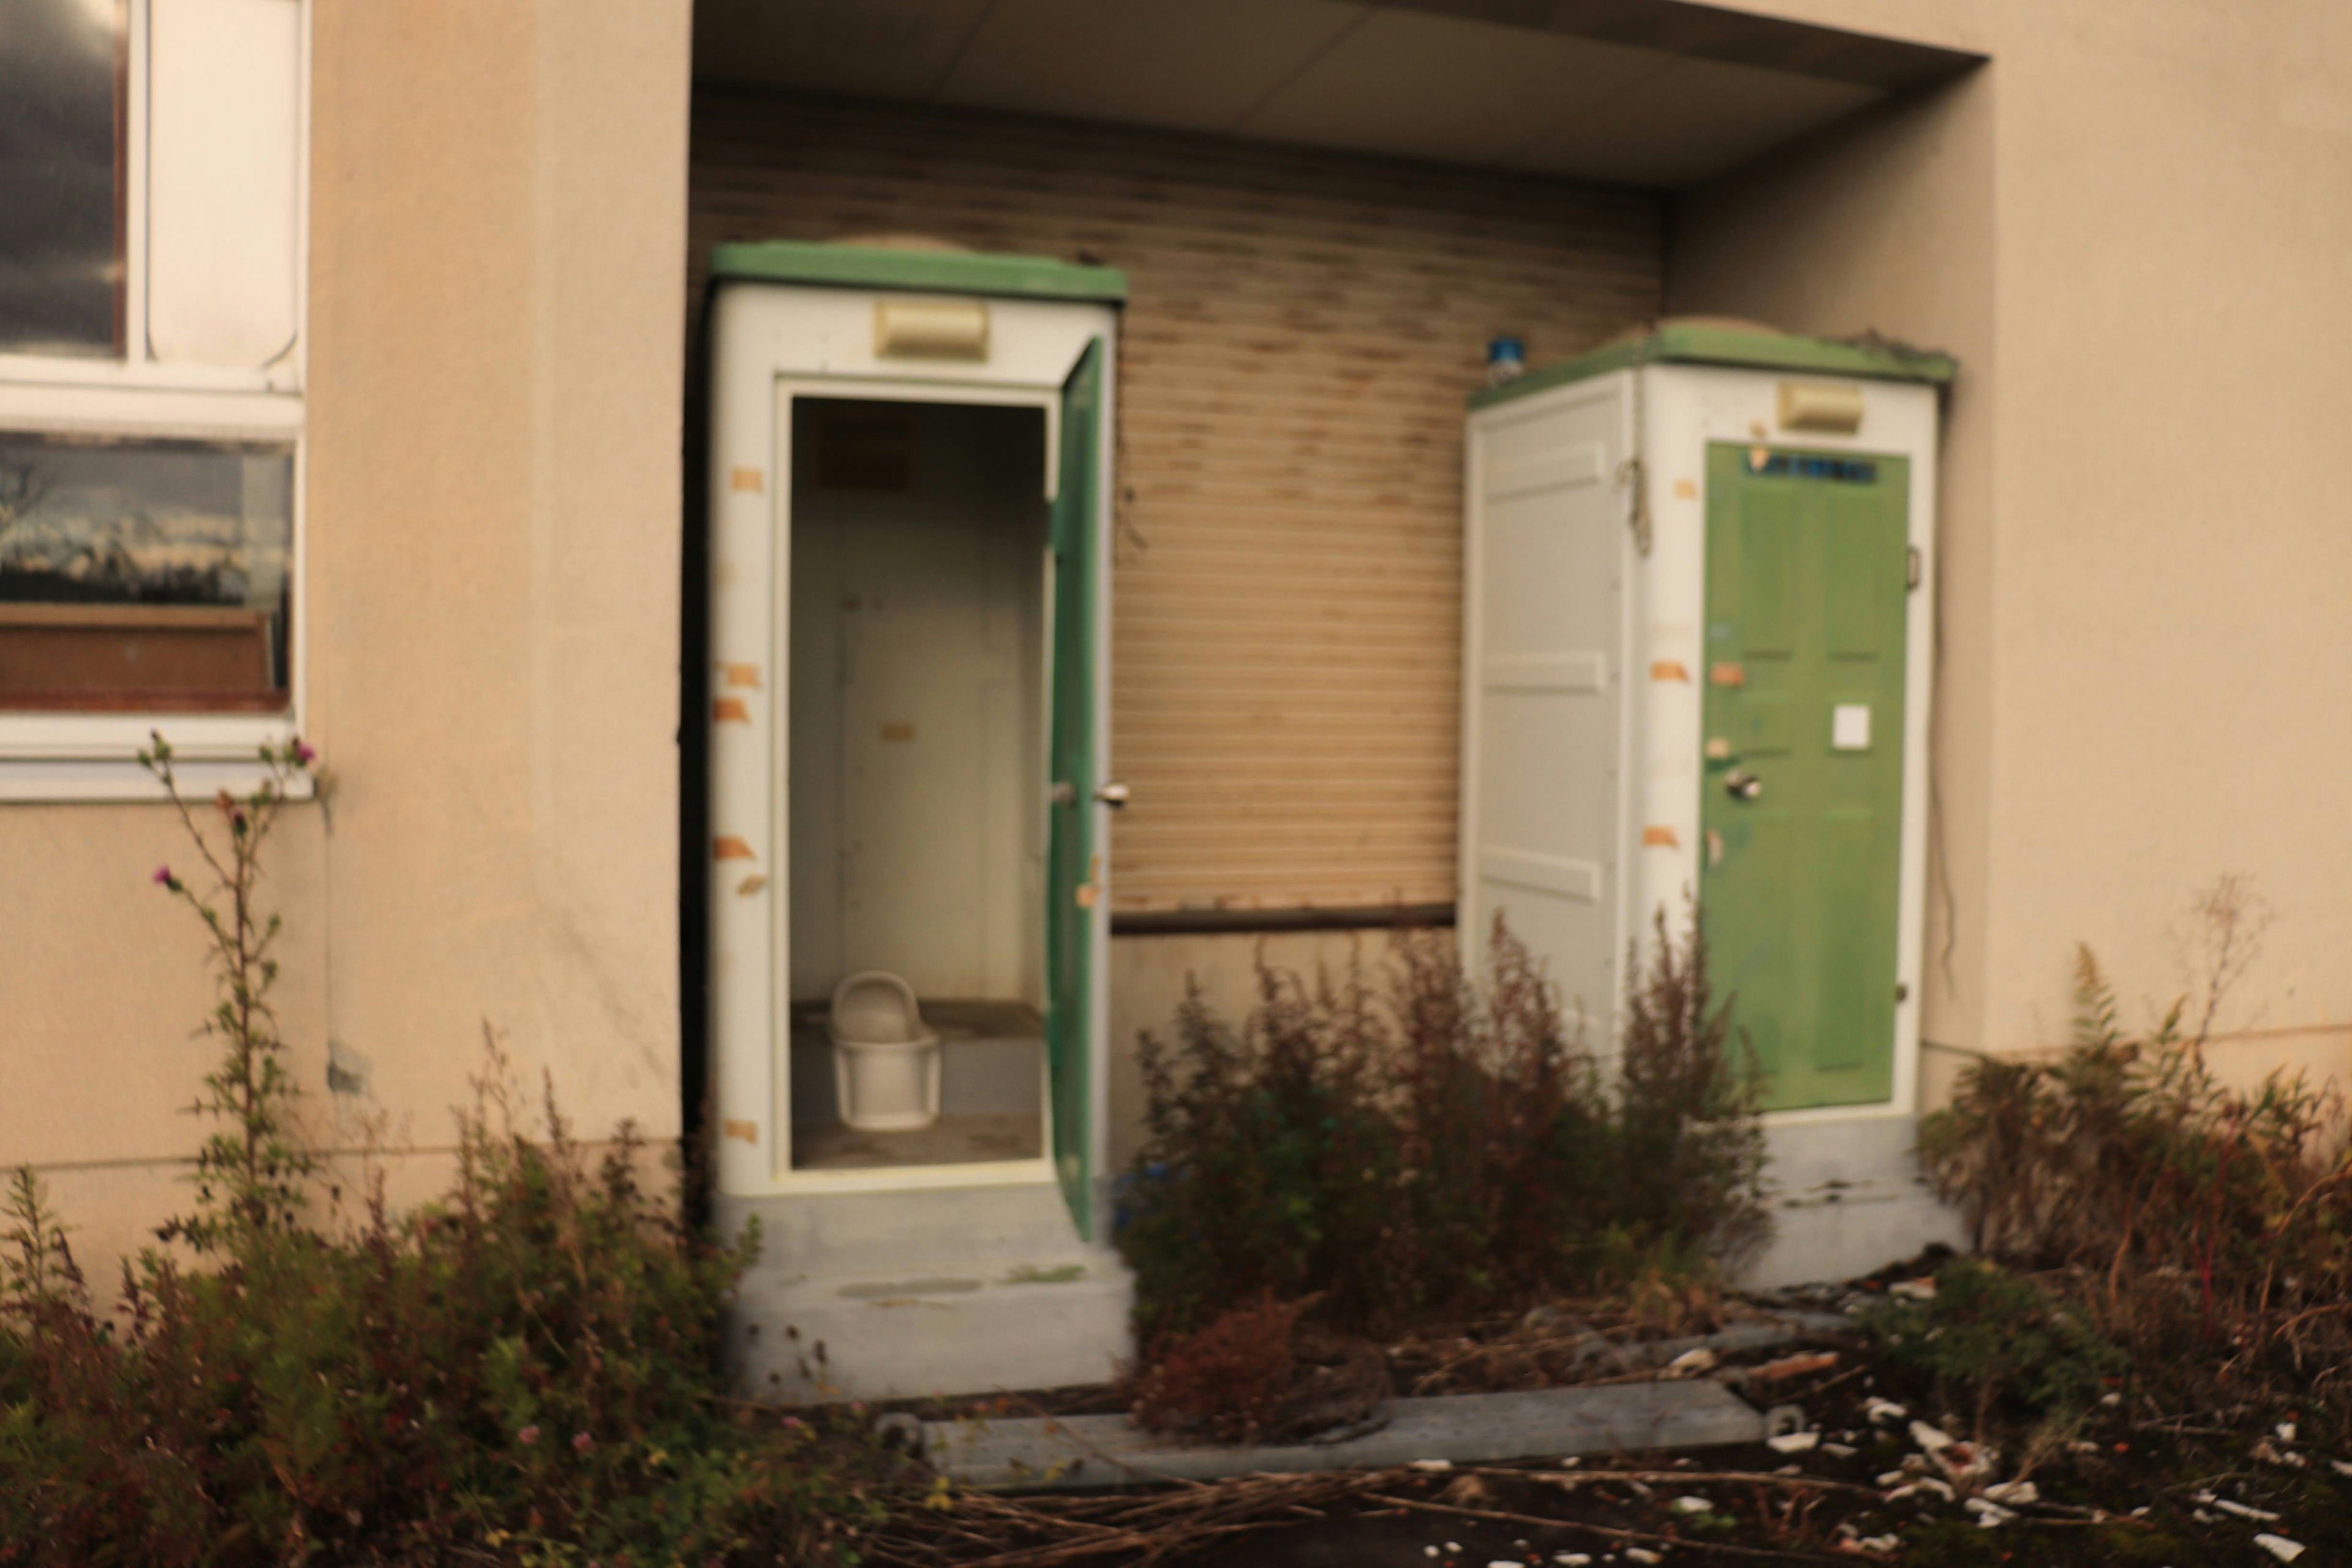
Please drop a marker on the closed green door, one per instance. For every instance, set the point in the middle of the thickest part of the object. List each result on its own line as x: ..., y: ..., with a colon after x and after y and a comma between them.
x: 1806, y: 568
x: 1072, y: 882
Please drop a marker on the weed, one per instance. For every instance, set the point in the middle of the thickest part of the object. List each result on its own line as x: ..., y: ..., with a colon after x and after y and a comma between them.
x: 2008, y: 1346
x: 526, y: 1371
x: 2204, y: 1226
x: 1437, y: 1147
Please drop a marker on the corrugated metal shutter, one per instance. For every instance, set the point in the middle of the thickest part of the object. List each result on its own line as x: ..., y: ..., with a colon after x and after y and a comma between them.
x: 1302, y: 332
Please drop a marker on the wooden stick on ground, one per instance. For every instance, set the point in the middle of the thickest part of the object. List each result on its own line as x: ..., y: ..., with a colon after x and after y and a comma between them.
x: 1642, y: 1536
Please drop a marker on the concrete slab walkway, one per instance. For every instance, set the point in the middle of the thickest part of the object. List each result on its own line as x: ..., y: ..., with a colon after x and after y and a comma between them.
x: 1087, y: 1451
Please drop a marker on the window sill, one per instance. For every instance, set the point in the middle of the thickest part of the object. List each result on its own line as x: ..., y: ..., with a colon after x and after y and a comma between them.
x: 101, y: 781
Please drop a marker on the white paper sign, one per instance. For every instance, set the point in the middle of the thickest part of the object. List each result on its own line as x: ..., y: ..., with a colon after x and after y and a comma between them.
x: 1850, y: 727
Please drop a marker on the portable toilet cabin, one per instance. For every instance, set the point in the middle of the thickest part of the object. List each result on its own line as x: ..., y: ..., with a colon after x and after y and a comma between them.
x: 909, y: 640
x: 1698, y: 640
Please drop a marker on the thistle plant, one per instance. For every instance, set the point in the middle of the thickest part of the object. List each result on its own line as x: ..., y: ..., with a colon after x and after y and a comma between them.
x: 250, y: 1172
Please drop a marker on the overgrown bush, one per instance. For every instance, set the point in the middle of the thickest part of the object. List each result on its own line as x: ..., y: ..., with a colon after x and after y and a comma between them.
x: 523, y: 1372
x: 2000, y: 1342
x: 1436, y: 1146
x: 1256, y: 1374
x: 2207, y: 1226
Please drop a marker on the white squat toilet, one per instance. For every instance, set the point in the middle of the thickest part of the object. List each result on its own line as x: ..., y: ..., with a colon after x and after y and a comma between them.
x: 886, y: 1062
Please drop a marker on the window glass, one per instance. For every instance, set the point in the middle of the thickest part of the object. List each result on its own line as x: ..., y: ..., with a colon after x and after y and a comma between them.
x: 60, y: 250
x: 143, y: 575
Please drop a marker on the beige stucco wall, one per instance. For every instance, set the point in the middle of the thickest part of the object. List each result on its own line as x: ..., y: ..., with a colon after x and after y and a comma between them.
x: 496, y: 243
x: 2130, y: 226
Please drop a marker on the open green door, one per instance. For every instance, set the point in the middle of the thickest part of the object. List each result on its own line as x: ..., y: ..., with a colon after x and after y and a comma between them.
x: 1807, y: 569
x: 1073, y: 878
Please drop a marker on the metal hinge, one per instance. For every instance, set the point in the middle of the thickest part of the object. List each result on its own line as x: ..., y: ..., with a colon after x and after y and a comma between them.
x: 1915, y: 566
x: 1637, y: 502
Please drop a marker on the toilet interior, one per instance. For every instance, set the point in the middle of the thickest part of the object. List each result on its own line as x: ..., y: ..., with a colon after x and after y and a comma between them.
x: 917, y: 703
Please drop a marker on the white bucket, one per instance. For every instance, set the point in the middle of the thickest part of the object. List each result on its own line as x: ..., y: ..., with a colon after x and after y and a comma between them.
x: 886, y: 1062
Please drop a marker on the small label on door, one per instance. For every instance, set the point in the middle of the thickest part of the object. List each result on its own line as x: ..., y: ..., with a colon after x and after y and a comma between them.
x: 1850, y: 727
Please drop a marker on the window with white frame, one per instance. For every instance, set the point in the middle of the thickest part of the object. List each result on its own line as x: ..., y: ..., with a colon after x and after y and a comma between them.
x: 152, y: 173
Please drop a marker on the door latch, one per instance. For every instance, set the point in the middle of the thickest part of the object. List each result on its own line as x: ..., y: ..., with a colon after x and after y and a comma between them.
x: 1114, y: 795
x: 1741, y: 784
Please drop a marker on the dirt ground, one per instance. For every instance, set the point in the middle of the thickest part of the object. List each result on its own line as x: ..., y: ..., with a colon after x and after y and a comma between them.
x: 2201, y: 1488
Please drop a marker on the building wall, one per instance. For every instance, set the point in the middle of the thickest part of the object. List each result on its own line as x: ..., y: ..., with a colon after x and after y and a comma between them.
x: 1301, y: 332
x: 493, y: 405
x: 2130, y: 227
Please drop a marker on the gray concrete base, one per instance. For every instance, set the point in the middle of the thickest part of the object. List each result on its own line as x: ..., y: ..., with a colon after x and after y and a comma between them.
x: 1846, y: 1197
x: 907, y: 1294
x: 1080, y: 1451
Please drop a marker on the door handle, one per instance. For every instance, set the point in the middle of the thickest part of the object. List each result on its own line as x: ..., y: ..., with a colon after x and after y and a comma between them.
x: 1741, y: 784
x: 1114, y: 795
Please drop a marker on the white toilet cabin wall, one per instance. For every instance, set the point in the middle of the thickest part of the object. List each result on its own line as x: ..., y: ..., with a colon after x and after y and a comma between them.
x: 838, y: 322
x: 1588, y: 768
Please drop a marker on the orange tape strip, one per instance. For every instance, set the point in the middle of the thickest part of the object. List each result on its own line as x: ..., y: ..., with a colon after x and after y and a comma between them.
x: 732, y: 848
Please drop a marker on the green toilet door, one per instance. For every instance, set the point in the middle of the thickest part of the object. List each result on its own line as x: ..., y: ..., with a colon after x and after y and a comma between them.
x: 1073, y: 852
x: 1801, y: 867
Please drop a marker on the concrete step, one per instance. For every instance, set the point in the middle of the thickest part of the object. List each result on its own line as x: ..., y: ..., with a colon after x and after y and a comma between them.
x: 907, y: 1294
x: 824, y: 1233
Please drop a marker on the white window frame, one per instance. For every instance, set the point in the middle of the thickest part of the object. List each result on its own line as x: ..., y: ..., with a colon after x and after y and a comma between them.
x: 68, y: 756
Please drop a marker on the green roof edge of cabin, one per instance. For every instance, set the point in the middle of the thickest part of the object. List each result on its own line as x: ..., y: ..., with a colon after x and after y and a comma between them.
x: 1680, y: 343
x: 927, y: 271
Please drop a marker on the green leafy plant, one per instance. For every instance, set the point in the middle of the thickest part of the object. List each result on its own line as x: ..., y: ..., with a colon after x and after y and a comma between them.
x: 1437, y: 1146
x: 525, y: 1371
x: 2001, y: 1341
x: 249, y: 1174
x: 2206, y: 1226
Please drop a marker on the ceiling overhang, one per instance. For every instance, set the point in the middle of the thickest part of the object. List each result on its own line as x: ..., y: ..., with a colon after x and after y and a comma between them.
x: 1655, y: 93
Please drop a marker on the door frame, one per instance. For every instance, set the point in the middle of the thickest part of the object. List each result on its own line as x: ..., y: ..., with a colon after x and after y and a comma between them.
x: 769, y: 343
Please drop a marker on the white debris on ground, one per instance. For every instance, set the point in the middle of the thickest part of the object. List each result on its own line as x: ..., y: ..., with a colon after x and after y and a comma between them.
x: 1989, y: 1514
x: 1931, y: 1438
x: 1920, y: 1290
x: 2240, y: 1510
x: 1643, y: 1554
x: 1794, y: 1442
x: 2285, y: 1430
x: 1692, y: 1504
x: 2278, y: 1546
x: 1885, y: 1409
x: 1571, y: 1559
x: 2341, y: 1468
x: 2012, y: 1492
x: 1430, y: 1465
x: 1429, y: 1551
x: 2265, y: 1451
x: 1842, y: 1451
x: 1690, y: 1363
x: 1923, y: 1484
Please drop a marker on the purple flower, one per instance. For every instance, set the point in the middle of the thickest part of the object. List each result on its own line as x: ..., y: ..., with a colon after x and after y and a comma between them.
x: 581, y: 1442
x: 528, y: 1435
x: 164, y: 879
x: 304, y: 753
